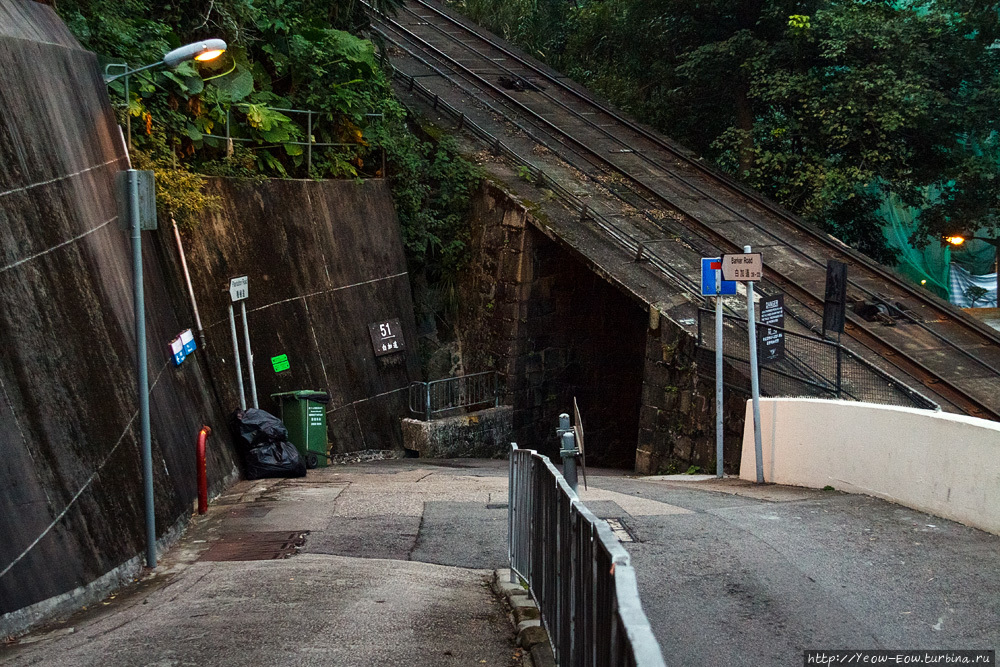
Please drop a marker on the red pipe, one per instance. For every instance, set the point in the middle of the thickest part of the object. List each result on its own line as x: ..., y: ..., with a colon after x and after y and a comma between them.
x: 202, y: 474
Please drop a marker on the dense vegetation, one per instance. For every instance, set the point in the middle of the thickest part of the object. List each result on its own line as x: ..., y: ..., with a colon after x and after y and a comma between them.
x: 828, y: 106
x: 283, y: 54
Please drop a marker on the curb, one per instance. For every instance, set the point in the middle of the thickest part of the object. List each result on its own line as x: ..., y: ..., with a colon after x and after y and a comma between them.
x: 524, y: 615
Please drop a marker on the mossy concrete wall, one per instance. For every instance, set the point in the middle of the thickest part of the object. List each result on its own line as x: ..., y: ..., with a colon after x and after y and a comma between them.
x: 479, y: 434
x: 325, y: 260
x: 71, y: 505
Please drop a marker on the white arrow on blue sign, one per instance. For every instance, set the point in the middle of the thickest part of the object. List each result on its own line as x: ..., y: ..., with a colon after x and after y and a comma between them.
x: 709, y: 267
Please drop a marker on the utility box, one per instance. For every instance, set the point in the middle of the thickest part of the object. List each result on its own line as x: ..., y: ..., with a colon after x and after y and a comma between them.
x: 304, y: 415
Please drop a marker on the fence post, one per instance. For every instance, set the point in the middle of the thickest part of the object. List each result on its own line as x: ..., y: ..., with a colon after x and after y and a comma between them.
x: 838, y: 366
x: 569, y: 452
x: 427, y: 407
x: 309, y: 148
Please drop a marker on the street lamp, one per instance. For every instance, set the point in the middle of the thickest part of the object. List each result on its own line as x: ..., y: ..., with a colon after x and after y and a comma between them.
x: 959, y: 239
x: 209, y: 49
x: 129, y: 211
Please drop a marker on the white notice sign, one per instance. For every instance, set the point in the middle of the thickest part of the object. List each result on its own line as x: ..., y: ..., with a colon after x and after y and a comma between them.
x: 744, y: 267
x: 239, y: 288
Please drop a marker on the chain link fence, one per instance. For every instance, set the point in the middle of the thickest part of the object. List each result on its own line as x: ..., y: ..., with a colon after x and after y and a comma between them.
x: 811, y: 367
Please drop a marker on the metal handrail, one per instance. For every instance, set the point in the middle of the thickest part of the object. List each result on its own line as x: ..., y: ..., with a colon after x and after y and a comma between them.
x: 461, y: 392
x: 576, y: 570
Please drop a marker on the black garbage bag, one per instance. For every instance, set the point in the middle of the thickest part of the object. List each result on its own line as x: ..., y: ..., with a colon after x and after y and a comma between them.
x: 274, y: 459
x: 253, y: 427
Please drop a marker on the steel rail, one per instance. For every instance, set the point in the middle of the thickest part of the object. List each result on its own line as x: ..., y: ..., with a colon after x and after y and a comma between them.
x: 772, y: 208
x: 931, y: 377
x: 684, y: 154
x: 627, y: 240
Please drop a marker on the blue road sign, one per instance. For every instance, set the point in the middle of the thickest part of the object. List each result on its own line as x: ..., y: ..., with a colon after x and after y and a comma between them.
x: 709, y: 267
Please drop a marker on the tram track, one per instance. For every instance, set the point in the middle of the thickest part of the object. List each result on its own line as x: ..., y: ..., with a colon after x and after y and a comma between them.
x: 664, y: 174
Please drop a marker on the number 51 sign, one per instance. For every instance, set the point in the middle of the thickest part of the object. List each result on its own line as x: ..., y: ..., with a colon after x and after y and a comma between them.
x: 387, y: 337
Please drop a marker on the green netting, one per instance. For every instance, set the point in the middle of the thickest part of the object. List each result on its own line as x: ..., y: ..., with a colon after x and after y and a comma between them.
x: 928, y: 266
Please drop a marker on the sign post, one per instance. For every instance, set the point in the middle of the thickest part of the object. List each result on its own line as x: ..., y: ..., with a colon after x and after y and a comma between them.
x: 749, y: 267
x: 713, y: 285
x: 239, y: 289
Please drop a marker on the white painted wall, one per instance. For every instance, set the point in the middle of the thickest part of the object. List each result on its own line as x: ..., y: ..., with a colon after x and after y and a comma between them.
x: 944, y: 464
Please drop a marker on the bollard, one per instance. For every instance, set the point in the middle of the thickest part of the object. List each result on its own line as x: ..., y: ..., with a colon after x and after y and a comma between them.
x: 569, y: 452
x: 202, y: 474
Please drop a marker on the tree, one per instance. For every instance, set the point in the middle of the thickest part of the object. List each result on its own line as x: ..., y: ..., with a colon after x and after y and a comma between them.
x: 827, y: 106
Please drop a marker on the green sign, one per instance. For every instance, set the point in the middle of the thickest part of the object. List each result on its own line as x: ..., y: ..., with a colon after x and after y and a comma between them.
x: 280, y: 363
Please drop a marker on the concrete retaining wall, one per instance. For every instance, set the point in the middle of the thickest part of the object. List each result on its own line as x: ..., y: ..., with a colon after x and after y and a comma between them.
x: 944, y: 464
x: 481, y: 434
x: 325, y: 260
x: 71, y: 506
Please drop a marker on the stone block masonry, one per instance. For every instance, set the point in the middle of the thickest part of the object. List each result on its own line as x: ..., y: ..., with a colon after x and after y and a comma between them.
x: 481, y: 434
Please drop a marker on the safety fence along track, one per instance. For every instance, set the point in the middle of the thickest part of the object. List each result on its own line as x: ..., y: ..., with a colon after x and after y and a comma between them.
x: 576, y: 570
x: 920, y: 341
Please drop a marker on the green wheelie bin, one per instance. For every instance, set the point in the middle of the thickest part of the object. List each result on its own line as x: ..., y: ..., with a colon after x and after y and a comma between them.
x: 304, y: 414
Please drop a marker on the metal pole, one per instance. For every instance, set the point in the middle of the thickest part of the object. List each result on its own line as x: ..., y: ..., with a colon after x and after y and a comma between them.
x: 309, y: 148
x: 569, y: 453
x: 718, y: 373
x: 838, y: 366
x: 427, y: 407
x: 236, y: 358
x: 190, y: 288
x: 246, y: 339
x: 142, y: 372
x: 754, y: 379
x: 128, y: 113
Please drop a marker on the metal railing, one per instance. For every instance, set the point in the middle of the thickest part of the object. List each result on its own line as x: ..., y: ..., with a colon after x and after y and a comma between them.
x: 576, y: 570
x: 811, y: 366
x: 456, y: 393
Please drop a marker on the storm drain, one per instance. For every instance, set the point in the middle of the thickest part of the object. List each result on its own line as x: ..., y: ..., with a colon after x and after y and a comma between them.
x: 256, y: 546
x: 620, y: 530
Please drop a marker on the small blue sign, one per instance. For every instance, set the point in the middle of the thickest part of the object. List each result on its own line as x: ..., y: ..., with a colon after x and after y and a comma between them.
x: 187, y: 338
x: 709, y: 267
x: 177, y: 351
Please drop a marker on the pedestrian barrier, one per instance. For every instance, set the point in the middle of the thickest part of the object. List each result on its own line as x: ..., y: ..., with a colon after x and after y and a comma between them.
x: 576, y: 570
x: 810, y: 366
x: 462, y: 392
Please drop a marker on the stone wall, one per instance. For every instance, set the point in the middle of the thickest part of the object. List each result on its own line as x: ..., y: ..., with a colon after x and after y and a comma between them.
x: 535, y: 310
x: 480, y: 434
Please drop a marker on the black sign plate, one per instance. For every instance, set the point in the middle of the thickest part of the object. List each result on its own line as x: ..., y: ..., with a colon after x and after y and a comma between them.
x: 771, y: 342
x: 387, y: 337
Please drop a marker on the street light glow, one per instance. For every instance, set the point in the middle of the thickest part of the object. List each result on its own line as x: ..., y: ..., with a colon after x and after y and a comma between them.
x: 205, y: 50
x: 209, y: 55
x: 955, y: 240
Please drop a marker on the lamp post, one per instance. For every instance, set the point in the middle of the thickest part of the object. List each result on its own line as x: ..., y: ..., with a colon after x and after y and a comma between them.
x: 959, y: 239
x: 130, y: 213
x: 202, y: 51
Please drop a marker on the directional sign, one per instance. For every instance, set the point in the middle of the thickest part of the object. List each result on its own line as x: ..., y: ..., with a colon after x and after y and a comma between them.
x: 239, y: 288
x: 709, y: 265
x: 771, y: 345
x: 744, y: 267
x: 387, y: 337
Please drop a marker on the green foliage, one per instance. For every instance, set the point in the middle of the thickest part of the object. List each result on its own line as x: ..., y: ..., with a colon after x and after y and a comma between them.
x: 283, y: 54
x: 827, y: 106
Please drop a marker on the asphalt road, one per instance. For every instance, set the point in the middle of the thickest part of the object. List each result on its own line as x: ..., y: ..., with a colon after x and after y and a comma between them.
x: 391, y: 572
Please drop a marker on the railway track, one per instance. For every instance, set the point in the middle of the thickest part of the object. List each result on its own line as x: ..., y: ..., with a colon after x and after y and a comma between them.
x: 946, y: 353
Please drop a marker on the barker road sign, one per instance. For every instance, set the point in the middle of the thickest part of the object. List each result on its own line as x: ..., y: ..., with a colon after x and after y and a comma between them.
x: 239, y: 288
x: 743, y: 268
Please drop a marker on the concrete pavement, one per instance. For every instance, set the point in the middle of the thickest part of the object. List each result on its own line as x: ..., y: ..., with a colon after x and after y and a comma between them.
x: 393, y: 567
x: 354, y: 593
